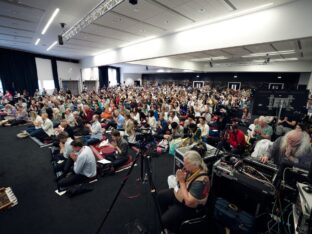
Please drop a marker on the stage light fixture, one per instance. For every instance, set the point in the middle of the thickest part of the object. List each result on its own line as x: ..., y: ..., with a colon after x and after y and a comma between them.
x: 102, y: 8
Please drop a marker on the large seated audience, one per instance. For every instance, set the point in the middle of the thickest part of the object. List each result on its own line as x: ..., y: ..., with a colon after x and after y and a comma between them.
x: 73, y: 123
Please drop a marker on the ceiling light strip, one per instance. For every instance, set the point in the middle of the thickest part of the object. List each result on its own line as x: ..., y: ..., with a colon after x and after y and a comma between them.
x: 50, y: 21
x: 97, y: 12
x: 51, y: 46
x: 37, y: 41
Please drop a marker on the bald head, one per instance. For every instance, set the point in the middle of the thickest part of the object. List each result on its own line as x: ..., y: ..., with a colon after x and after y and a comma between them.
x: 294, y: 137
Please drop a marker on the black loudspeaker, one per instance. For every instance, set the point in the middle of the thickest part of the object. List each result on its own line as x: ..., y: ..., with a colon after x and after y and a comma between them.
x: 133, y: 2
x: 302, y: 87
x: 60, y: 40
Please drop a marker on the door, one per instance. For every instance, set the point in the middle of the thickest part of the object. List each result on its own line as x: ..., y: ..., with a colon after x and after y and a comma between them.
x: 89, y: 85
x: 72, y: 85
x: 234, y: 85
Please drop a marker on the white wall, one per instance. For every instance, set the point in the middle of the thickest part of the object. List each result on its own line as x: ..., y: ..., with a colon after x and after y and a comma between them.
x: 310, y: 83
x: 129, y: 78
x: 69, y: 71
x: 45, y: 74
x: 91, y: 74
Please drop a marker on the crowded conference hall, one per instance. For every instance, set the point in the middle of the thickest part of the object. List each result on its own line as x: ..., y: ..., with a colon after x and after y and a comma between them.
x: 156, y: 116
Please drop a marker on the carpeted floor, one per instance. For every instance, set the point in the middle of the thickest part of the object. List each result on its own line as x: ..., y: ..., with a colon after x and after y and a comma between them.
x: 27, y: 169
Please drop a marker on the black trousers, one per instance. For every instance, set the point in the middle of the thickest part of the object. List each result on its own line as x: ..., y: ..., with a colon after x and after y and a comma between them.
x: 71, y: 180
x: 116, y: 160
x: 64, y: 166
x: 173, y: 211
x: 15, y: 122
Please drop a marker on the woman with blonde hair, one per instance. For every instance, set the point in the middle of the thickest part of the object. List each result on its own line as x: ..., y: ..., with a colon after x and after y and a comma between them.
x: 190, y: 193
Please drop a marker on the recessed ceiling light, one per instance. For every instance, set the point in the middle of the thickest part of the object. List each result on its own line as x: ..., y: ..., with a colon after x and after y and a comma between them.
x: 235, y: 76
x: 197, y: 76
x: 279, y: 77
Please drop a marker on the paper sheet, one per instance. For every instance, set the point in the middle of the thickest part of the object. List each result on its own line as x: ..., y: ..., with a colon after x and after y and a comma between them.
x: 104, y: 161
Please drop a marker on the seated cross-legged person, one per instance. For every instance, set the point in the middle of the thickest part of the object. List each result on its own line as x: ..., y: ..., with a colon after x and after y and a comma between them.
x: 21, y: 117
x: 65, y: 150
x: 95, y: 131
x: 84, y: 166
x: 46, y: 130
x: 121, y: 156
x: 36, y: 124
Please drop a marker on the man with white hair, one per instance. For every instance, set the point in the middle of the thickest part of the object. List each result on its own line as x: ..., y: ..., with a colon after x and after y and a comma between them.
x: 293, y: 148
x: 192, y: 192
x: 263, y: 130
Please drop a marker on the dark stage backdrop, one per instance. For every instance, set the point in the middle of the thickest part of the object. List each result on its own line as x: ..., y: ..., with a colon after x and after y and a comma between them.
x: 103, y: 75
x: 220, y: 80
x: 18, y: 71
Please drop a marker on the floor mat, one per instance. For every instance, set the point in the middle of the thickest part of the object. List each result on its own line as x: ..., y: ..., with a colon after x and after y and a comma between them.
x: 40, y: 143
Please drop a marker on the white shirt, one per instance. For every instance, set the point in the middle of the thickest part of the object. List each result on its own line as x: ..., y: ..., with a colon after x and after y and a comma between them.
x: 85, y: 163
x: 204, y: 129
x: 47, y: 126
x: 96, y: 130
x: 67, y: 147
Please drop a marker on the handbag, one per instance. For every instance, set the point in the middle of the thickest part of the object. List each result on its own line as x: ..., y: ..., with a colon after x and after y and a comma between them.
x: 230, y: 216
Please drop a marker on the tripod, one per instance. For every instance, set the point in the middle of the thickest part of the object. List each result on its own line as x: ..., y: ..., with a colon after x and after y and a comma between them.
x: 144, y: 162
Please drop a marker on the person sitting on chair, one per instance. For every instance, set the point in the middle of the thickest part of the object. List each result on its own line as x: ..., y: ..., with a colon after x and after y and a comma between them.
x: 236, y: 140
x: 121, y: 156
x: 95, y: 130
x: 191, y: 193
x: 84, y: 166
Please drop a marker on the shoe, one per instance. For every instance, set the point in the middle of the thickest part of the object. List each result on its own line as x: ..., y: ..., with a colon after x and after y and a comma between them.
x: 22, y: 135
x: 3, y: 122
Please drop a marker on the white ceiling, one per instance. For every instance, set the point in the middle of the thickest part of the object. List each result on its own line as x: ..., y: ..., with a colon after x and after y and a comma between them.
x: 294, y: 50
x: 21, y: 23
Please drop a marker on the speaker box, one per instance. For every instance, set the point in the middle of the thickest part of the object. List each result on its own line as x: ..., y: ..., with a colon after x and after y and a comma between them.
x: 133, y: 2
x: 60, y: 40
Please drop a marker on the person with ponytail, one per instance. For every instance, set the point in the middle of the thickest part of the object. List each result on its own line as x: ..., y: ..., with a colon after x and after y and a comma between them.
x: 191, y: 192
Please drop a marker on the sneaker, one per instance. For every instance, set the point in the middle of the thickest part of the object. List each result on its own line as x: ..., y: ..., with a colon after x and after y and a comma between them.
x: 22, y: 135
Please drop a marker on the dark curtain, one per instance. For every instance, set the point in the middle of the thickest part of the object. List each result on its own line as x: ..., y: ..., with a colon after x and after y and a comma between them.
x: 18, y: 71
x: 118, y: 75
x: 103, y: 76
x: 55, y: 74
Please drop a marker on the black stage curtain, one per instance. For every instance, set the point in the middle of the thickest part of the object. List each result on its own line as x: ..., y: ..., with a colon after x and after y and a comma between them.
x: 18, y: 71
x: 103, y: 75
x: 55, y: 74
x: 118, y: 74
